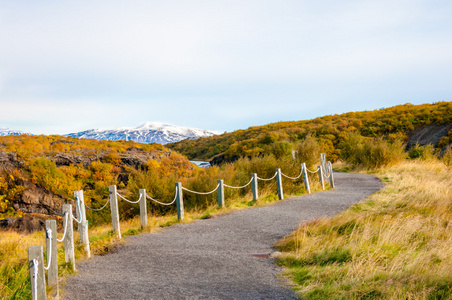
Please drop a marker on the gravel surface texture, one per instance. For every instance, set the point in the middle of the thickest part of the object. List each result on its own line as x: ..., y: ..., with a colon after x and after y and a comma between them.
x: 212, y: 259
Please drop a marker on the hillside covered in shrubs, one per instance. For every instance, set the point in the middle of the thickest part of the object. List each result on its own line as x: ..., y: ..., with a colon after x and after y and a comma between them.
x: 38, y: 174
x: 403, y: 124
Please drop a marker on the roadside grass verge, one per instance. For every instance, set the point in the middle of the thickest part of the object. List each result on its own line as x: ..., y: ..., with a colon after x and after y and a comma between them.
x: 14, y: 273
x: 396, y: 244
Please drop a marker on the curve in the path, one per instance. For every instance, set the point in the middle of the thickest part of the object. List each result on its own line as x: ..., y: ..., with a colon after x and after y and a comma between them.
x: 211, y: 259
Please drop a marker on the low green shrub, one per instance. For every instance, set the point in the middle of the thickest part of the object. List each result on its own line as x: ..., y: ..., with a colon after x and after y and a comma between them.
x: 371, y: 153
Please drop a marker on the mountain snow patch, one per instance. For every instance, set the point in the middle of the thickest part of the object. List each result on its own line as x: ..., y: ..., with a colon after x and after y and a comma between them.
x: 6, y: 131
x: 149, y: 132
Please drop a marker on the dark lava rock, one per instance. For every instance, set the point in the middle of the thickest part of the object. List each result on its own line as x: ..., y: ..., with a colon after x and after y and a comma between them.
x: 430, y: 134
x: 36, y: 199
x: 9, y: 159
x: 26, y: 224
x: 222, y: 159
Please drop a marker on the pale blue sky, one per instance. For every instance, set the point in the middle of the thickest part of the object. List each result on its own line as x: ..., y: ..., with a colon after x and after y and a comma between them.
x: 68, y: 66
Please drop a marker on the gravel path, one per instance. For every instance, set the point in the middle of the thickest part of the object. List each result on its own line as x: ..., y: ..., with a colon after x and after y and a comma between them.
x: 211, y: 259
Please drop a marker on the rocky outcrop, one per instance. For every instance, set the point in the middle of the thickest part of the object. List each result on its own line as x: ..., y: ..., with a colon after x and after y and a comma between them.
x: 222, y: 159
x: 8, y: 159
x: 27, y: 224
x: 133, y: 157
x: 138, y: 159
x: 82, y: 156
x: 36, y: 199
x: 430, y: 134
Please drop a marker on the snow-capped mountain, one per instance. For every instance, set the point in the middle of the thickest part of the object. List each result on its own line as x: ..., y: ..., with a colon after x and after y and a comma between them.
x: 150, y: 132
x: 6, y: 131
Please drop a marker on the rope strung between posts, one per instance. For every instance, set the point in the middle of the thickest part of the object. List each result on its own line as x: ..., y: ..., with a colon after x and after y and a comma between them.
x: 49, y: 253
x: 133, y: 202
x: 239, y: 187
x: 35, y: 278
x: 175, y: 197
x: 293, y: 178
x: 276, y: 173
x: 79, y: 211
x: 327, y: 172
x: 313, y: 172
x: 199, y: 193
x: 98, y: 209
x: 65, y: 227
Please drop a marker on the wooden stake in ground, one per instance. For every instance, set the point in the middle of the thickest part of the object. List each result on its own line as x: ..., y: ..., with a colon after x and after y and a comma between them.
x: 51, y: 242
x: 37, y: 278
x: 69, y: 254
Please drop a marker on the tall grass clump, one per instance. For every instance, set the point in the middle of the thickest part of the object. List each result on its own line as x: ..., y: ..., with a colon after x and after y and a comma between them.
x: 371, y: 153
x: 422, y: 152
x: 394, y: 245
x: 14, y: 273
x: 308, y: 151
x: 446, y: 158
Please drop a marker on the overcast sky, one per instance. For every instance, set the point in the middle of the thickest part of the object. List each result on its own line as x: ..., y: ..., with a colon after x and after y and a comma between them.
x: 68, y: 66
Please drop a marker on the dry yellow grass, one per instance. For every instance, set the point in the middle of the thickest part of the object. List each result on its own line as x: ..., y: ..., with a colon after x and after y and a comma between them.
x: 394, y: 245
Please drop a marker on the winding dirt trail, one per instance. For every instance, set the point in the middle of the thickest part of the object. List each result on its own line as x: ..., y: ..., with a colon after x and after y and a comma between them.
x: 212, y: 259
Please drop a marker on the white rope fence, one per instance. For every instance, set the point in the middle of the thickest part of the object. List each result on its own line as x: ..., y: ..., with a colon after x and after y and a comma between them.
x: 133, y: 202
x: 293, y: 178
x: 239, y: 187
x: 172, y: 202
x: 326, y: 172
x: 312, y: 172
x: 200, y: 193
x: 273, y: 177
x: 49, y: 253
x: 65, y: 228
x: 98, y: 209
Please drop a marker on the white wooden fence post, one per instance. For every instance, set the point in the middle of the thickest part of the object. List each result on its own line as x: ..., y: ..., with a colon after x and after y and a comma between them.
x: 279, y: 184
x: 114, y: 210
x: 37, y: 276
x: 69, y: 254
x: 321, y: 179
x: 255, y: 187
x: 330, y: 170
x: 143, y: 209
x: 305, y: 177
x: 179, y: 201
x: 51, y: 247
x: 323, y: 161
x: 83, y: 225
x: 221, y: 193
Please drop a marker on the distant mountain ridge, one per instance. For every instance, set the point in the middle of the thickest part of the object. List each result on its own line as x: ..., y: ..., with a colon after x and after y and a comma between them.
x: 6, y: 131
x: 149, y: 132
